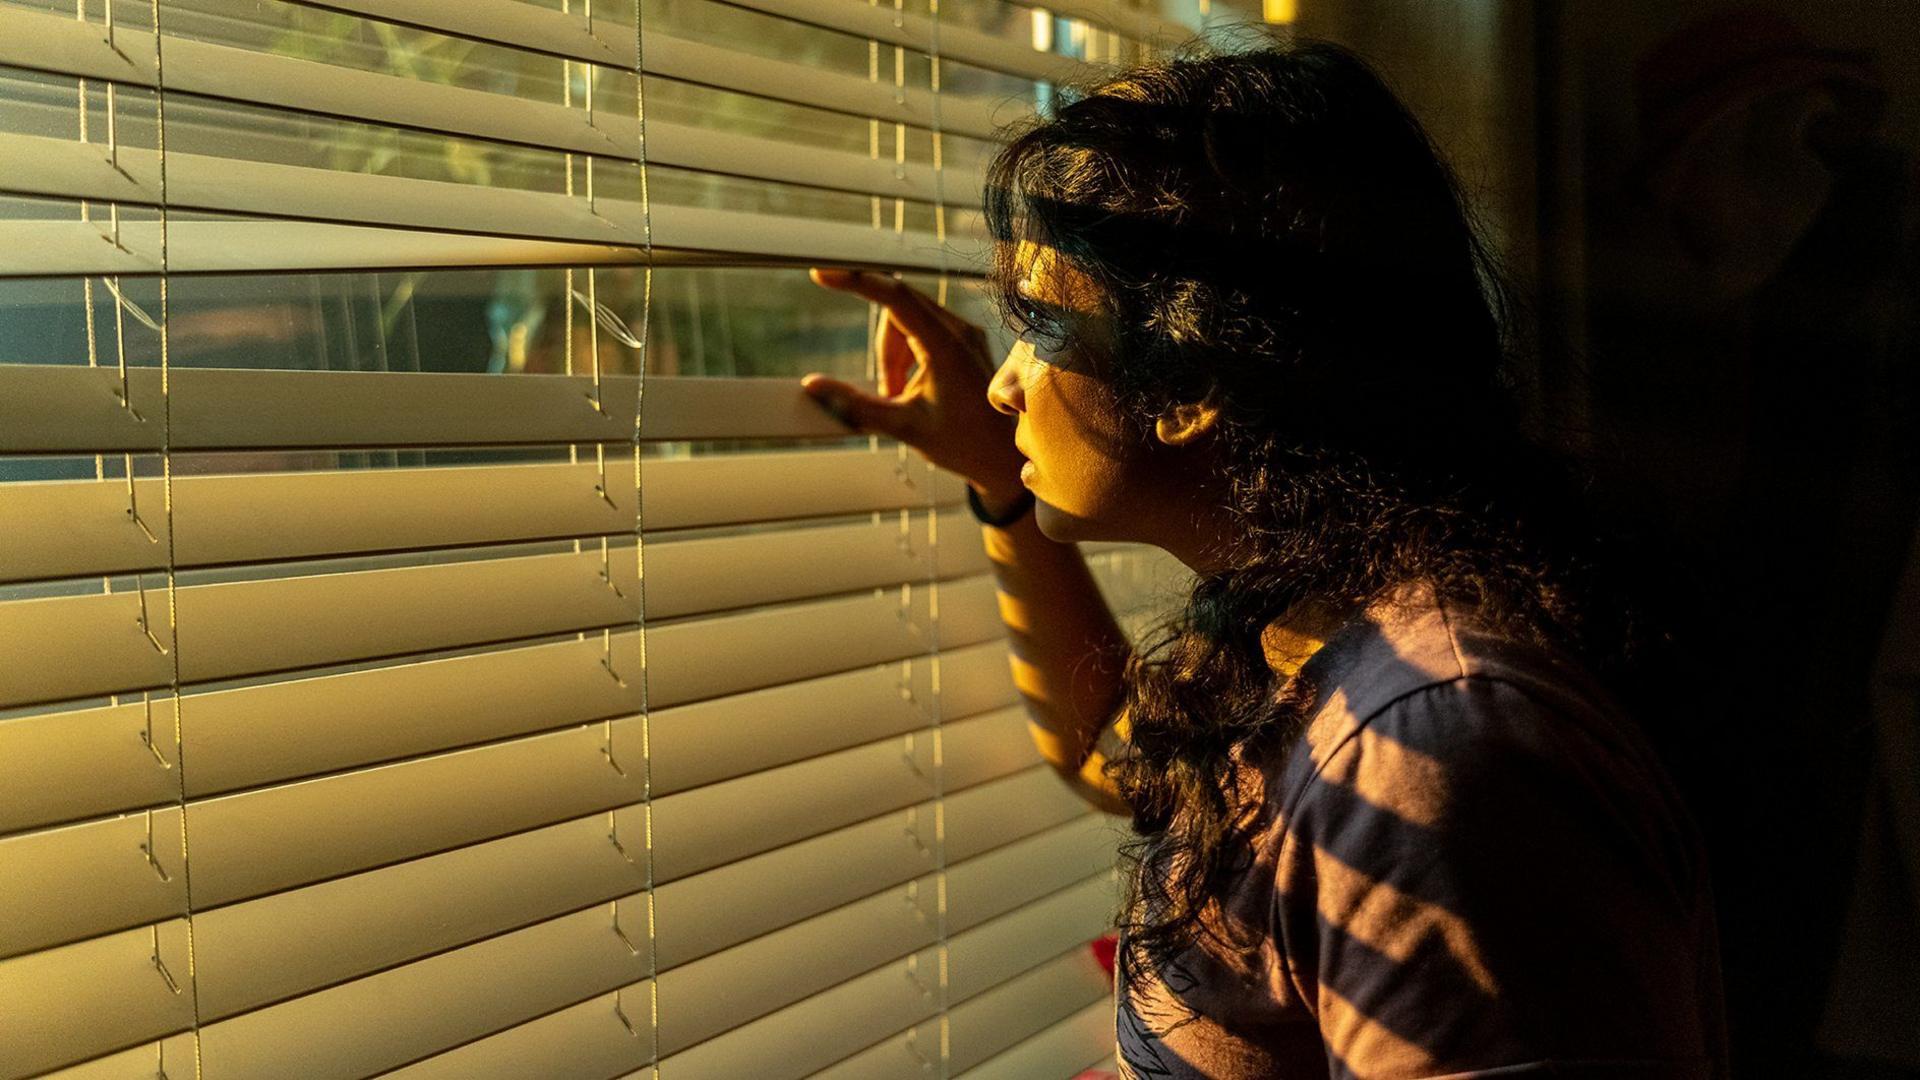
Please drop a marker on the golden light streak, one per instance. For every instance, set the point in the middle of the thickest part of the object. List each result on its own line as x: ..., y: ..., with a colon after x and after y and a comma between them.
x: 1393, y: 923
x: 1042, y: 30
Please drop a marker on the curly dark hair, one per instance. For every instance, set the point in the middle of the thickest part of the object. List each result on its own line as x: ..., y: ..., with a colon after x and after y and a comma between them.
x: 1273, y: 231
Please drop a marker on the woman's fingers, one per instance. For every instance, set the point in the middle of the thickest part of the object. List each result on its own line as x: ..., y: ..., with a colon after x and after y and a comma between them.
x: 928, y: 332
x: 884, y: 289
x: 896, y: 355
x: 859, y: 410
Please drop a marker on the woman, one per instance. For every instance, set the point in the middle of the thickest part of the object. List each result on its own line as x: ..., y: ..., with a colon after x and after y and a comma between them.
x: 1396, y: 815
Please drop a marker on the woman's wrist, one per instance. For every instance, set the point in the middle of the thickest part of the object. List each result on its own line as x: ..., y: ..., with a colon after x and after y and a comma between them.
x: 998, y: 499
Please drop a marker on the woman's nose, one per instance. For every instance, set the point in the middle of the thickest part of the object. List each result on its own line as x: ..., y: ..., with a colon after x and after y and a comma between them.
x: 1005, y: 392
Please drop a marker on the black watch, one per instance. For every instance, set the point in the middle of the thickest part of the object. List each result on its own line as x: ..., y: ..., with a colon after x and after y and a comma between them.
x: 1014, y: 513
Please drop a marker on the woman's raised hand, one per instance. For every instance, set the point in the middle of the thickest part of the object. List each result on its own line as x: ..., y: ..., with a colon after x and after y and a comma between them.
x: 934, y: 370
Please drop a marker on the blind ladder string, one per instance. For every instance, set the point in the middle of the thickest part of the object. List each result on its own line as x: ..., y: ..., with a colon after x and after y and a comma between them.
x: 166, y: 488
x: 943, y: 954
x: 639, y: 541
x: 93, y: 334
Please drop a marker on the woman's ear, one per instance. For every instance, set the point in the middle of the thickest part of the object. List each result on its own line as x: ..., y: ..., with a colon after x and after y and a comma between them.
x: 1187, y: 422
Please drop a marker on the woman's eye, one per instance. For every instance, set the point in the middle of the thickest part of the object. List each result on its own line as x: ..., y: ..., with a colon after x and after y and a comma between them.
x: 1050, y: 351
x: 1041, y: 328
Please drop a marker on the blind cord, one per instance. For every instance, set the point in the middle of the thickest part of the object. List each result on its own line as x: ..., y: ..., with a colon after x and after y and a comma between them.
x: 933, y: 585
x: 166, y: 488
x: 639, y: 544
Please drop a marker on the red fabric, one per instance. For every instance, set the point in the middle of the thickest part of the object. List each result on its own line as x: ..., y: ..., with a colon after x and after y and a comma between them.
x: 1103, y: 949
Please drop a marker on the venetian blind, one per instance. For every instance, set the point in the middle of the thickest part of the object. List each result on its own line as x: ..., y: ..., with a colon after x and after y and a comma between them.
x: 437, y: 639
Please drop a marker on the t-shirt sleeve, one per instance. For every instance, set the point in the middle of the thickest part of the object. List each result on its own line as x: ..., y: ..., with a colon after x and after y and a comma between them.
x: 1473, y: 885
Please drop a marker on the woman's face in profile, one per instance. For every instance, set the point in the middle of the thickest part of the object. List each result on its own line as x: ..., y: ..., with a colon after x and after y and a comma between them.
x: 1095, y: 476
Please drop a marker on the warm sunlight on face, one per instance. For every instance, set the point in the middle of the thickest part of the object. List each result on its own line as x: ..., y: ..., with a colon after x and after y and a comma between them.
x: 1084, y: 466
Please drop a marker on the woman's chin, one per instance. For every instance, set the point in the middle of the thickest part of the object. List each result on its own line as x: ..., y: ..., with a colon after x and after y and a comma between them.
x: 1061, y: 527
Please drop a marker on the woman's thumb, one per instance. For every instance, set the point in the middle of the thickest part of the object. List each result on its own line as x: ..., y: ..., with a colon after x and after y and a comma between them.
x: 857, y: 409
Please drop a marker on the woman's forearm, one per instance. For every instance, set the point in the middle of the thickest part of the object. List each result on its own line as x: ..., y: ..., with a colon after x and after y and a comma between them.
x: 1068, y: 653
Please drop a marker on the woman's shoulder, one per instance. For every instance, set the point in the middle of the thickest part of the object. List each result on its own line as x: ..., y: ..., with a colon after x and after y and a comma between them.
x: 1456, y: 734
x: 1418, y: 692
x: 1473, y: 841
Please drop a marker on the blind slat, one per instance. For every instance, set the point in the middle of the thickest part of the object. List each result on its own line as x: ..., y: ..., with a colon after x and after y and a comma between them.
x: 1046, y: 927
x: 258, y: 735
x: 75, y: 1021
x: 834, y: 1022
x: 501, y: 22
x: 765, y: 487
x: 272, y: 839
x: 716, y: 824
x: 588, y: 1041
x: 253, y: 954
x: 240, y: 849
x: 129, y: 1063
x: 67, y: 1005
x: 248, y: 628
x: 706, y: 912
x: 694, y: 661
x: 69, y: 884
x: 694, y: 61
x: 279, y: 624
x: 976, y: 1025
x: 691, y: 577
x: 507, y: 23
x: 729, y: 69
x: 795, y: 163
x: 291, y: 943
x: 820, y: 1020
x: 731, y: 488
x: 795, y: 1040
x: 723, y: 738
x: 987, y: 1023
x: 66, y: 529
x: 68, y: 169
x: 63, y: 767
x: 46, y: 42
x: 725, y: 990
x: 569, y: 36
x: 960, y: 43
x: 70, y: 529
x: 411, y: 1012
x: 278, y: 947
x: 77, y: 249
x: 690, y: 236
x: 706, y: 658
x: 1063, y: 1050
x: 66, y: 46
x: 69, y: 409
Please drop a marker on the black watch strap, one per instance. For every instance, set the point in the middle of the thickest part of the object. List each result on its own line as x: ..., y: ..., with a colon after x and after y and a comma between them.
x: 1014, y: 513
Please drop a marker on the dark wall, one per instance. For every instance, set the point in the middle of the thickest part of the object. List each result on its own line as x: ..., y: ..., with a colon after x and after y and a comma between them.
x: 1742, y: 313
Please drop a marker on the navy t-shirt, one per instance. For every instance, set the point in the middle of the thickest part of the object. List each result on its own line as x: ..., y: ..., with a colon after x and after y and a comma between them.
x: 1470, y: 864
